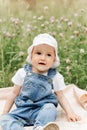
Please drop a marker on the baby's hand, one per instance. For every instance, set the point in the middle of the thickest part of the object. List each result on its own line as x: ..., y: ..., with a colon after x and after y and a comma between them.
x: 73, y: 117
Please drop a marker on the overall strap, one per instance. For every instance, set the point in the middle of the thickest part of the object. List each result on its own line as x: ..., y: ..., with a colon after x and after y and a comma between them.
x: 27, y: 68
x: 52, y: 72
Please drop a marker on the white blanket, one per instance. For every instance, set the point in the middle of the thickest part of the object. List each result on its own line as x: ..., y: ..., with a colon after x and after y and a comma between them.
x: 71, y: 92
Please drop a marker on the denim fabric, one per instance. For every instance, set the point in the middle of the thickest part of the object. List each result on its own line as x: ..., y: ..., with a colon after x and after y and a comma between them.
x: 36, y: 104
x: 11, y: 123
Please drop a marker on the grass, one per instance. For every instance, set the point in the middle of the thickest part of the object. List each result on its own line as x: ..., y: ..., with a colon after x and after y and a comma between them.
x: 67, y: 22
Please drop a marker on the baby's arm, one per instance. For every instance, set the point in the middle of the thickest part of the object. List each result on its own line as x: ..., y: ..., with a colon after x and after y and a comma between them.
x: 66, y: 106
x: 10, y: 99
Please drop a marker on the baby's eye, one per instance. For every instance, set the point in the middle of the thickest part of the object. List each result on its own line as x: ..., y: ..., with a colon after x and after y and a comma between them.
x: 48, y: 54
x: 39, y: 53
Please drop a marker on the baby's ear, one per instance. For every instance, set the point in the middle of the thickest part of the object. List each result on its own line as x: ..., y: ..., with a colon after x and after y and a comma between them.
x: 31, y: 55
x: 55, y: 59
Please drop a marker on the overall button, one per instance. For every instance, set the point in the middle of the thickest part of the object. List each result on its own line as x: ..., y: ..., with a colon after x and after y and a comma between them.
x: 50, y: 80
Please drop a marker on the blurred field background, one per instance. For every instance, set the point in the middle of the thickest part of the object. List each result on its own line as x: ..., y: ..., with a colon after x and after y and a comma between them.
x: 22, y: 20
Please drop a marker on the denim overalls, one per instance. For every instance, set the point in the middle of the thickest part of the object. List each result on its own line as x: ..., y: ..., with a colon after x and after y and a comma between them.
x: 36, y: 103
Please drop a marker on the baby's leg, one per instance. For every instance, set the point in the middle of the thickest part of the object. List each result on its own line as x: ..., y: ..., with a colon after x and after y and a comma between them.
x: 48, y: 113
x: 8, y: 122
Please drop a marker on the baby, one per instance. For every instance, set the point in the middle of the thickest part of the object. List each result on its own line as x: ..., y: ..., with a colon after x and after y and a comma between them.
x: 38, y: 87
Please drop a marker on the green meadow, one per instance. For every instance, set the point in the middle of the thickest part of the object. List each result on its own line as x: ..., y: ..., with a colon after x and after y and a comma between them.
x: 66, y: 20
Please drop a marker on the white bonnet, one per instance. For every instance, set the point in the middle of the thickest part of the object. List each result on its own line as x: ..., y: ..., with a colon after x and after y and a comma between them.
x: 44, y: 39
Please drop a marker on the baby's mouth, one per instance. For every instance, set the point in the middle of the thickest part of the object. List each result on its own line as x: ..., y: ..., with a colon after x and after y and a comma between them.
x: 41, y: 63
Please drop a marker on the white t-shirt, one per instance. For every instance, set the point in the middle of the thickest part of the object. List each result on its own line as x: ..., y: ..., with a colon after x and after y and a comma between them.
x: 58, y: 80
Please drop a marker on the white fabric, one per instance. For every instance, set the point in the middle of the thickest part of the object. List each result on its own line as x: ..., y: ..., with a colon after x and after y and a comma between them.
x: 61, y: 119
x: 44, y: 39
x: 58, y: 80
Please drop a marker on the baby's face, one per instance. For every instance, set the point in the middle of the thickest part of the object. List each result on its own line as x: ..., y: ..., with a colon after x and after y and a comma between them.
x: 43, y: 58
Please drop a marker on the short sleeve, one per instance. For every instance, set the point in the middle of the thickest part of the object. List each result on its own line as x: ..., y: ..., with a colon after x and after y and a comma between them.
x: 58, y: 82
x: 18, y: 78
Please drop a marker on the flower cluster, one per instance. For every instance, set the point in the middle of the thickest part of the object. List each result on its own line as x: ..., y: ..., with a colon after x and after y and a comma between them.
x: 18, y: 30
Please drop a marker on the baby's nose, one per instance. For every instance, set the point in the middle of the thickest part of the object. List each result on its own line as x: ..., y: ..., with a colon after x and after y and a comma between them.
x: 43, y: 57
